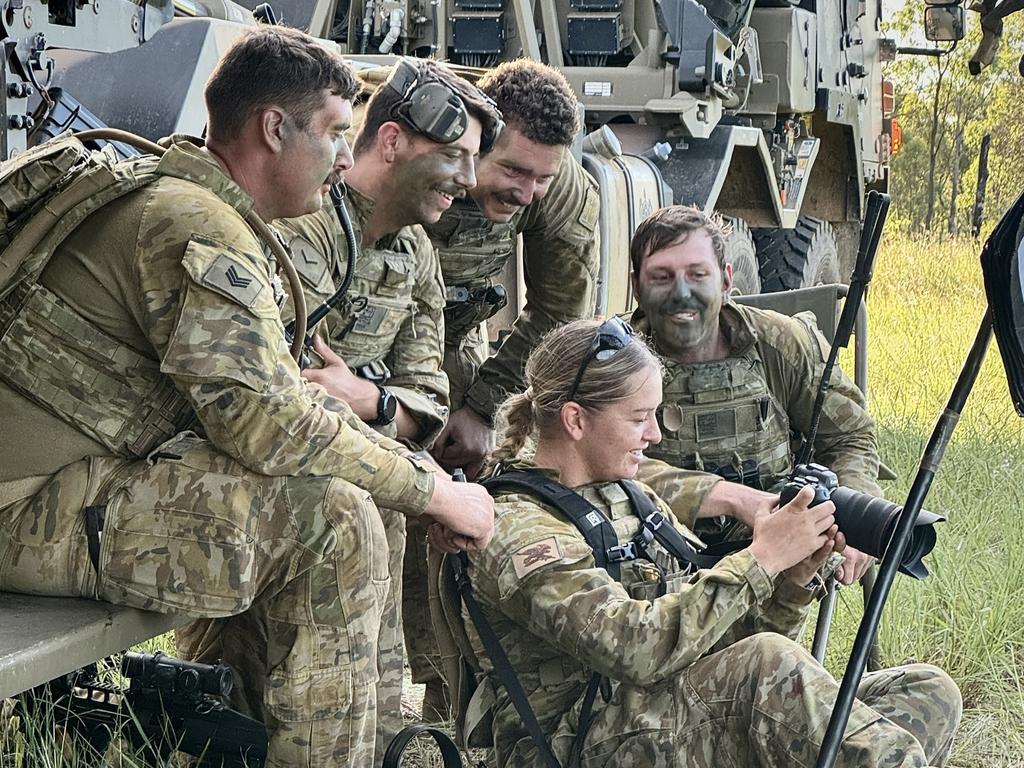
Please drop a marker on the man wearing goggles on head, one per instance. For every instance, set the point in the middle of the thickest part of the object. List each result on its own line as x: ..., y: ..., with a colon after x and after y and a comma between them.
x: 381, y: 346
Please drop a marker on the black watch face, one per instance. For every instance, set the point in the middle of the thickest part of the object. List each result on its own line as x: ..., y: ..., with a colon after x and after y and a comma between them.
x: 388, y: 407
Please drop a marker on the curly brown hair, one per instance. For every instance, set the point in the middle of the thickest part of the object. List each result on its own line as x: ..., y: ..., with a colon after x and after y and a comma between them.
x: 671, y: 225
x: 534, y: 99
x: 273, y: 66
x: 380, y: 107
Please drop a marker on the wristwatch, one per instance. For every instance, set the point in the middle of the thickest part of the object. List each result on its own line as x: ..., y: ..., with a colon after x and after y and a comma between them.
x: 387, y: 406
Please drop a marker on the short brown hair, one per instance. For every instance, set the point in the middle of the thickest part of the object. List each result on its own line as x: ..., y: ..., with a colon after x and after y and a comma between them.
x: 536, y: 100
x: 380, y: 108
x: 273, y: 66
x: 671, y: 225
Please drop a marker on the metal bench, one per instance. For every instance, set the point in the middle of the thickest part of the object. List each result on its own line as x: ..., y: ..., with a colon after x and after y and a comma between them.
x: 44, y: 637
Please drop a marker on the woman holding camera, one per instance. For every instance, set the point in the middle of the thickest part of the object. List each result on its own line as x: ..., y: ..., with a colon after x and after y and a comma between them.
x: 702, y: 665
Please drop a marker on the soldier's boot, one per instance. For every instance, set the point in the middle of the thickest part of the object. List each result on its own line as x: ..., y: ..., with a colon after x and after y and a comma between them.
x: 437, y: 704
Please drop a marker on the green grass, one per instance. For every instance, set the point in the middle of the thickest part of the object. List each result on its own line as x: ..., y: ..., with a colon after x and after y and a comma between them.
x: 968, y: 616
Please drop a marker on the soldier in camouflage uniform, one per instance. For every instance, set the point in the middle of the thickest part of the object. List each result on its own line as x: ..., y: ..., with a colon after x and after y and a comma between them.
x: 703, y: 668
x: 739, y: 380
x: 386, y: 337
x: 528, y: 184
x: 161, y: 313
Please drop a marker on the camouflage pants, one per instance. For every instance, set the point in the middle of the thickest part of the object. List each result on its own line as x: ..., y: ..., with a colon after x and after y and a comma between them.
x: 287, y: 573
x: 424, y: 657
x: 461, y: 362
x: 764, y: 701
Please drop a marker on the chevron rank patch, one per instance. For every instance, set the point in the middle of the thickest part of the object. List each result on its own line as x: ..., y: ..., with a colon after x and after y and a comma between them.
x: 308, y: 261
x: 229, y: 277
x: 533, y: 556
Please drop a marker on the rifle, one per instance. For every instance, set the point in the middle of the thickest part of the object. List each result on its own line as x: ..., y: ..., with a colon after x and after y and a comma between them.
x: 170, y: 705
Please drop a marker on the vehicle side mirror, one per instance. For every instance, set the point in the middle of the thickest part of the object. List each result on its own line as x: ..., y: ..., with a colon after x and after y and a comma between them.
x: 944, y: 22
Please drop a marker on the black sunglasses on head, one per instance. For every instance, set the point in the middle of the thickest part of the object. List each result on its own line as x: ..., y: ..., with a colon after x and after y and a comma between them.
x: 612, y: 335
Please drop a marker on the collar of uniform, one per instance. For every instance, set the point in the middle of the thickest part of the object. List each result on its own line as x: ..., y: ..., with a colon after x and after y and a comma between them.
x: 610, y: 492
x: 442, y: 230
x: 735, y: 325
x: 361, y: 209
x: 186, y: 159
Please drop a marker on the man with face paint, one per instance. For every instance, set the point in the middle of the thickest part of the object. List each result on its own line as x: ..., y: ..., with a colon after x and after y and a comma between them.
x: 527, y: 184
x: 381, y: 348
x: 740, y: 381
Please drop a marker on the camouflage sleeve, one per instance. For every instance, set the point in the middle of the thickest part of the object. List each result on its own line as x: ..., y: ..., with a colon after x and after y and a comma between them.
x: 560, y: 258
x: 683, y: 490
x: 210, y: 312
x: 418, y: 350
x: 541, y: 574
x: 794, y: 360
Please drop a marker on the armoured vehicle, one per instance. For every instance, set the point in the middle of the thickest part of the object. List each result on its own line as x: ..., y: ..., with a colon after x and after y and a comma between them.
x: 769, y: 111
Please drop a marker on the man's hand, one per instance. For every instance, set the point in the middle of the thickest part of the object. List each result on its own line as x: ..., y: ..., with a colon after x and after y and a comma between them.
x: 341, y: 383
x: 738, y: 501
x: 464, y: 442
x: 854, y: 566
x: 465, y: 512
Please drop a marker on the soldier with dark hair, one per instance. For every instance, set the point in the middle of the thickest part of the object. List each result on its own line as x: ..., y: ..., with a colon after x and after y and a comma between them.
x: 739, y: 380
x: 528, y: 184
x: 162, y: 450
x: 382, y: 346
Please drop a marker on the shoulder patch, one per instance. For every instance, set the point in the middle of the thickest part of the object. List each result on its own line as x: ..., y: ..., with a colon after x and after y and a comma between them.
x: 229, y: 277
x: 308, y: 261
x: 533, y: 556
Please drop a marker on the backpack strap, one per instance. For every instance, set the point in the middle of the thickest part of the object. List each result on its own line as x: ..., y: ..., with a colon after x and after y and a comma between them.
x: 502, y: 666
x: 654, y: 527
x: 592, y: 523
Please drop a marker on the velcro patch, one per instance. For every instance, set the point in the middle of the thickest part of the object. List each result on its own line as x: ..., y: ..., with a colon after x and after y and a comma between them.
x: 533, y: 556
x: 308, y: 261
x: 229, y: 277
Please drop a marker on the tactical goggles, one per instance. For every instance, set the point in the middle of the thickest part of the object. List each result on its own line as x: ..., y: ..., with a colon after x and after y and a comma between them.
x: 612, y: 335
x: 432, y: 108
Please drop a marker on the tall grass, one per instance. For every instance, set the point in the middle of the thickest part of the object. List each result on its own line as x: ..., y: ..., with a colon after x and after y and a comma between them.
x: 968, y: 616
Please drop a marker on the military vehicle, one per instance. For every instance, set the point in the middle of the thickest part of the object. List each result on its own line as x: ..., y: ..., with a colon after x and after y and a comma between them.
x: 769, y: 111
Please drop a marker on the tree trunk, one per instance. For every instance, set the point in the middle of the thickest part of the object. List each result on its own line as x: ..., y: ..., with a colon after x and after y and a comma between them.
x: 933, y: 152
x: 954, y: 187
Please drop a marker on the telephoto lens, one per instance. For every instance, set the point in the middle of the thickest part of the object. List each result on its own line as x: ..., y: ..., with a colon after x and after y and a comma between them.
x: 867, y: 522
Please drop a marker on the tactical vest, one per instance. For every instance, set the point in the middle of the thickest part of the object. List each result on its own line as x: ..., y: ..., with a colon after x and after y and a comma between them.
x: 715, y: 416
x: 48, y: 352
x: 473, y: 252
x: 363, y: 327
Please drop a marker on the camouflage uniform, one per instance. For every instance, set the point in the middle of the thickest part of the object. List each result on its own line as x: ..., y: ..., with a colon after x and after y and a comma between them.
x: 560, y: 260
x: 705, y: 675
x: 162, y: 312
x: 560, y: 264
x: 391, y: 326
x: 749, y: 406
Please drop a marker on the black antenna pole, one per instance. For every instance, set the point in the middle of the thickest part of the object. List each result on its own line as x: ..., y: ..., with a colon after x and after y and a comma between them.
x: 874, y: 221
x: 929, y: 465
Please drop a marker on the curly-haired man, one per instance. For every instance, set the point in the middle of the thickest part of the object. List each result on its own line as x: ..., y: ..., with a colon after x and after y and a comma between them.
x: 528, y: 184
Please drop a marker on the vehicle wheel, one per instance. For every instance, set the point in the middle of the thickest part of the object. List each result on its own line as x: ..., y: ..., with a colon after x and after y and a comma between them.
x: 797, y: 258
x: 740, y: 251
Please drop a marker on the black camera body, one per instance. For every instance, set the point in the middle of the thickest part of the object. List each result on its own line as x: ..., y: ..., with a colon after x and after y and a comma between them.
x: 867, y: 522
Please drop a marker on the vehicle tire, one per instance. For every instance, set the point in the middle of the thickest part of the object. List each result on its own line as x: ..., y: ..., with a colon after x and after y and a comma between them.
x: 797, y: 258
x: 741, y: 253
